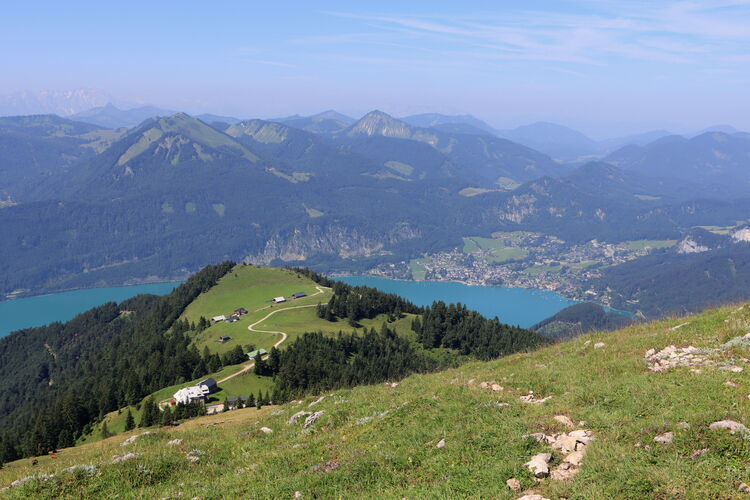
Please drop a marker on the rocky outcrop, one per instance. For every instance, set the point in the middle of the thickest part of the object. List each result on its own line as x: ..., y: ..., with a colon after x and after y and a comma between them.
x: 345, y: 241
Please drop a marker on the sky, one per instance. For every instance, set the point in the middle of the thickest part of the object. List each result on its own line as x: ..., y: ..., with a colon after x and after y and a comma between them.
x: 605, y: 67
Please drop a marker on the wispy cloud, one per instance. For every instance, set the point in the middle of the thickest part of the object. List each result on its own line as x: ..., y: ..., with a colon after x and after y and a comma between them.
x: 677, y: 32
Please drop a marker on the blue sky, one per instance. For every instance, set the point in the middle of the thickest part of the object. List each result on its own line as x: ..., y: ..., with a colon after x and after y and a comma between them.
x: 603, y: 66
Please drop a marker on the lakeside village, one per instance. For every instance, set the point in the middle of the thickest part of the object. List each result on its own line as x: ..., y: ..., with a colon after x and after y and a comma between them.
x: 201, y: 392
x: 524, y: 260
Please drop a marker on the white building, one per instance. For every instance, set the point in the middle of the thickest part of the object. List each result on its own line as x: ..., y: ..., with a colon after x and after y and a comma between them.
x: 217, y: 319
x: 192, y: 394
x: 278, y: 300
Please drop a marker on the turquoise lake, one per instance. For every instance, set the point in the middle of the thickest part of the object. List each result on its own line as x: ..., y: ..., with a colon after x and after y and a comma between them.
x: 45, y: 309
x: 515, y: 306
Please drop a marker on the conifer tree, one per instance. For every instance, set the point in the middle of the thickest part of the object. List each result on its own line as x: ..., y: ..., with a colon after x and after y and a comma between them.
x: 129, y: 421
x: 105, y: 430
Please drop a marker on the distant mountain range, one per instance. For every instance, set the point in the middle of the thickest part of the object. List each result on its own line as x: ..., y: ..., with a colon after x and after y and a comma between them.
x: 63, y: 103
x: 81, y: 204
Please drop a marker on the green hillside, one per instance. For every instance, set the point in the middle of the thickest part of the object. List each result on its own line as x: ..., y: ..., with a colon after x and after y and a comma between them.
x: 450, y: 435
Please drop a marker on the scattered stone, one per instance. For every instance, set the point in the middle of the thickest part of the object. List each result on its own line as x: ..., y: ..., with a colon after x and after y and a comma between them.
x: 729, y: 383
x: 529, y: 398
x: 484, y: 385
x: 297, y: 494
x: 394, y: 384
x: 566, y: 421
x: 175, y: 442
x: 440, y: 444
x: 496, y: 387
x: 276, y: 413
x: 266, y: 430
x: 471, y: 381
x: 679, y: 326
x: 574, y: 458
x: 533, y: 496
x: 698, y: 453
x: 732, y: 368
x: 89, y: 470
x: 539, y: 464
x: 540, y: 437
x: 327, y: 466
x: 729, y: 425
x: 194, y: 455
x: 125, y: 457
x: 743, y: 488
x: 132, y: 439
x: 321, y: 398
x: 294, y: 418
x: 563, y: 472
x: 599, y: 345
x: 673, y: 357
x: 311, y: 419
x: 514, y: 484
x: 665, y: 438
x: 683, y: 425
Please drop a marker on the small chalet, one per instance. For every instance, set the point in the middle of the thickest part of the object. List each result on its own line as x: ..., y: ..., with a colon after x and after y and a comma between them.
x: 254, y: 354
x: 189, y: 395
x: 233, y: 318
x: 224, y: 338
x: 219, y: 318
x: 279, y: 300
x: 240, y: 311
x: 210, y: 385
x: 299, y: 295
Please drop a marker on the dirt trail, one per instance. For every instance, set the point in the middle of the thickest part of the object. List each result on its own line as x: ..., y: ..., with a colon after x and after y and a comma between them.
x: 284, y: 335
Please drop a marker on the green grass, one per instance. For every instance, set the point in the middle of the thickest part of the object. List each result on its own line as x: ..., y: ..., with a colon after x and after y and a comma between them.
x: 418, y: 270
x: 545, y: 268
x: 380, y: 441
x: 646, y: 244
x: 498, y: 251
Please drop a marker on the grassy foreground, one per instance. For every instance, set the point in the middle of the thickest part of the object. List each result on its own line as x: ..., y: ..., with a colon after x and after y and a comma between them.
x: 382, y: 441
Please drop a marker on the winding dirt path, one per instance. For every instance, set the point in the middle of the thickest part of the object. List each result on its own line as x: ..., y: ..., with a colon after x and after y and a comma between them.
x: 284, y: 335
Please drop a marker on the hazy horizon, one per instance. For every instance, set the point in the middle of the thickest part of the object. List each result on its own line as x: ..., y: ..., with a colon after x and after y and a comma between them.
x: 605, y: 68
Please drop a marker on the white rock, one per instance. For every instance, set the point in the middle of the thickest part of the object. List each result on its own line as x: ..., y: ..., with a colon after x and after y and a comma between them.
x: 266, y: 430
x: 496, y: 387
x: 127, y: 456
x: 533, y: 496
x: 599, y: 345
x: 566, y: 421
x: 175, y: 442
x: 321, y: 398
x: 312, y: 419
x: 665, y: 438
x: 539, y: 464
x: 729, y: 383
x: 575, y: 458
x: 484, y: 385
x: 540, y: 437
x: 514, y: 484
x: 294, y: 418
x: 132, y: 439
x: 683, y: 425
x: 440, y: 444
x: 297, y: 494
x: 729, y: 425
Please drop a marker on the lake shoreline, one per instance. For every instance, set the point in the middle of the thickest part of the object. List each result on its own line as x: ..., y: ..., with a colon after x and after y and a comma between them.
x: 48, y: 293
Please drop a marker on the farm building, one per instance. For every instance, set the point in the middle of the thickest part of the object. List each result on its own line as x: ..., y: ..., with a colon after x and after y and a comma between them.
x: 218, y: 319
x: 233, y: 318
x: 240, y: 311
x: 279, y: 300
x: 189, y: 395
x: 224, y: 338
x: 210, y: 384
x: 299, y: 295
x: 254, y: 354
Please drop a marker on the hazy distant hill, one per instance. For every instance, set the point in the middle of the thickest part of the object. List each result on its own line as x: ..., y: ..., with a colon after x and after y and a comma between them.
x: 555, y: 140
x: 110, y: 116
x: 579, y: 319
x: 710, y: 157
x: 59, y: 102
x: 462, y: 124
x: 327, y: 122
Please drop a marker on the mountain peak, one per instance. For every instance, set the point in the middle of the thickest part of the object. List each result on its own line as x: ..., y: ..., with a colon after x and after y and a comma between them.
x: 379, y: 123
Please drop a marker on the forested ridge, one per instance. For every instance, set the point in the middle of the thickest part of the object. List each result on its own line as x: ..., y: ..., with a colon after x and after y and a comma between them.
x: 57, y: 381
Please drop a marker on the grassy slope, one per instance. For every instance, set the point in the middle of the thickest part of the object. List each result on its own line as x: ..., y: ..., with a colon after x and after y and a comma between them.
x: 500, y: 253
x: 250, y: 287
x: 383, y: 439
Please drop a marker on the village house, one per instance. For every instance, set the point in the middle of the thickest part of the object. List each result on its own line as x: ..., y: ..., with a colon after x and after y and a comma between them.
x: 279, y: 300
x: 218, y: 319
x: 224, y: 338
x: 299, y: 295
x: 197, y: 393
x: 253, y: 354
x: 240, y: 311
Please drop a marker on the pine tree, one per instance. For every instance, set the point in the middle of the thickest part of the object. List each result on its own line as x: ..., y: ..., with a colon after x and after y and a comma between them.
x: 129, y: 421
x: 226, y: 404
x: 251, y: 400
x: 259, y: 400
x: 166, y: 416
x: 105, y: 430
